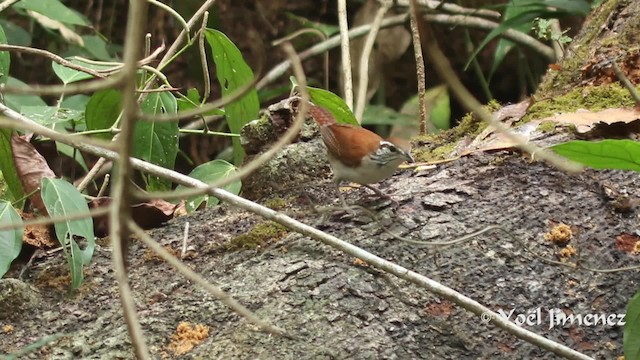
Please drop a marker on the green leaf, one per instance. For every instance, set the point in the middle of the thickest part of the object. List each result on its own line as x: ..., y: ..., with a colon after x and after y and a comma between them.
x: 332, y: 102
x: 513, y: 9
x: 631, y: 337
x: 518, y: 20
x: 54, y: 10
x: 16, y: 35
x: 605, y: 154
x: 209, y: 173
x: 5, y: 59
x: 233, y: 73
x: 438, y: 102
x: 75, y: 102
x: 326, y: 29
x: 97, y: 47
x: 382, y: 115
x: 157, y: 142
x: 16, y: 102
x: 192, y: 101
x: 62, y: 199
x: 8, y: 169
x: 48, y: 115
x: 10, y: 240
x: 103, y: 109
x: 68, y: 75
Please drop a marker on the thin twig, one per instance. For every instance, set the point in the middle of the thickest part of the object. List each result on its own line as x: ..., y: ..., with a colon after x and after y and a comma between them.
x: 68, y: 89
x: 324, y: 46
x: 55, y: 58
x: 185, y: 240
x: 6, y: 3
x: 462, y: 20
x: 484, y: 24
x: 625, y: 82
x: 322, y: 36
x: 392, y: 268
x: 443, y: 68
x: 363, y: 77
x: 99, y: 211
x: 120, y: 214
x: 203, y: 59
x: 452, y: 8
x: 93, y: 172
x: 198, y: 279
x: 425, y: 122
x: 171, y: 11
x: 345, y: 53
x: 257, y: 162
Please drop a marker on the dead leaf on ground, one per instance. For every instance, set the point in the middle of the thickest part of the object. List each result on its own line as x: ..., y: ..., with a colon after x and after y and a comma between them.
x: 587, y: 122
x: 31, y: 168
x: 147, y: 215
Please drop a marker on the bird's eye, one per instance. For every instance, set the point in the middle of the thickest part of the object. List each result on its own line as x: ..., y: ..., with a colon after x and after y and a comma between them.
x: 393, y: 149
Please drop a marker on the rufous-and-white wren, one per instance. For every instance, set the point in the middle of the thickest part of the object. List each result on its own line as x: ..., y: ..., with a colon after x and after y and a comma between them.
x: 357, y: 154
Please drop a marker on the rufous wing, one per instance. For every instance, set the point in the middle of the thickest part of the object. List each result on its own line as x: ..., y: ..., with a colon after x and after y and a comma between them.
x: 349, y: 143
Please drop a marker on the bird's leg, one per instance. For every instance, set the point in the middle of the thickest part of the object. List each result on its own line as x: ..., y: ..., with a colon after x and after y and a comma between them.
x: 342, y: 200
x: 381, y: 194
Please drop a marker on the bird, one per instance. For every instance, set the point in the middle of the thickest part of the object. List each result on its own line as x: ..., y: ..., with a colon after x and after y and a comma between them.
x: 359, y: 155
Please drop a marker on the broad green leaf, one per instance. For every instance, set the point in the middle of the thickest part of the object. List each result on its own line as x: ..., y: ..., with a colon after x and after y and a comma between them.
x: 48, y: 115
x: 233, y: 73
x: 8, y: 169
x: 68, y: 75
x: 16, y: 102
x: 157, y: 142
x: 5, y: 59
x: 561, y: 7
x: 97, y: 47
x: 53, y: 9
x: 103, y: 109
x: 10, y: 240
x: 16, y: 35
x: 334, y: 104
x: 62, y: 199
x: 513, y: 9
x: 631, y: 337
x: 326, y: 29
x: 382, y: 115
x: 192, y: 101
x: 439, y: 105
x: 605, y: 154
x: 209, y: 173
x: 523, y: 18
x: 75, y: 102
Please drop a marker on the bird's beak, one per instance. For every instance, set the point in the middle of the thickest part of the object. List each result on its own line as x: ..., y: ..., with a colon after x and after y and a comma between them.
x: 407, y: 155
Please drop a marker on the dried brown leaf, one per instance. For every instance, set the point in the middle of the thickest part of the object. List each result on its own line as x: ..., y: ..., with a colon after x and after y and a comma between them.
x: 31, y: 168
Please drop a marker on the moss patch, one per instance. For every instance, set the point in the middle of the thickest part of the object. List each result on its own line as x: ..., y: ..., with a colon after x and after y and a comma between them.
x: 593, y: 98
x: 260, y: 234
x: 438, y: 146
x: 277, y: 203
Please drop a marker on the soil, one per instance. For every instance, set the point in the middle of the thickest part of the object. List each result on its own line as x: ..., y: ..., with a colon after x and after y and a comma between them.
x: 336, y: 307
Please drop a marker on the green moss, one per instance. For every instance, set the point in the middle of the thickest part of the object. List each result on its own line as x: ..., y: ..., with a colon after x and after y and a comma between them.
x: 546, y: 127
x: 593, y: 98
x: 439, y: 146
x: 260, y: 234
x: 583, y: 48
x: 277, y: 203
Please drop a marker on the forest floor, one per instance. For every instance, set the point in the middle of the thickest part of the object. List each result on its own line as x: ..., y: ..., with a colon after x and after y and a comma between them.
x: 336, y: 307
